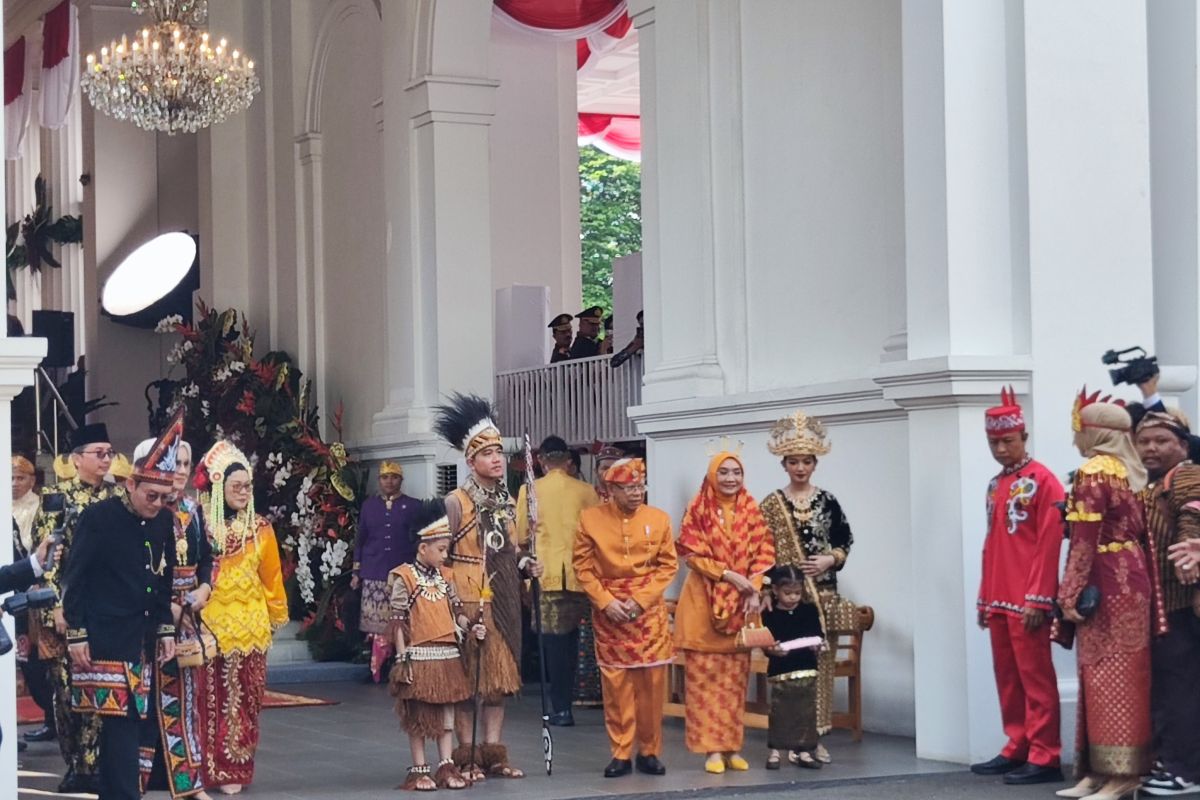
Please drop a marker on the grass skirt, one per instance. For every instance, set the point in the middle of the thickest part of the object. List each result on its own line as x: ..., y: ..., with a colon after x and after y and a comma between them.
x: 426, y: 691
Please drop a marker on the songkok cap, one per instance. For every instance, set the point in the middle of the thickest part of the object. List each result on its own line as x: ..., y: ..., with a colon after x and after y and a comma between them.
x: 391, y: 468
x: 798, y: 435
x: 561, y: 323
x: 593, y: 314
x: 96, y: 433
x: 121, y: 467
x: 22, y: 466
x: 159, y: 466
x: 627, y: 471
x: 1006, y: 417
x: 608, y: 452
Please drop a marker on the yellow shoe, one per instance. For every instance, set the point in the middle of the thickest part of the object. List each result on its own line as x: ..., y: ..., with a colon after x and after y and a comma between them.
x: 714, y: 766
x: 737, y: 763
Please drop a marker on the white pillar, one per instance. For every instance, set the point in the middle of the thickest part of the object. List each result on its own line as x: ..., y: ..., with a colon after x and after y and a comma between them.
x: 19, y: 177
x: 64, y: 288
x: 18, y: 357
x: 960, y: 156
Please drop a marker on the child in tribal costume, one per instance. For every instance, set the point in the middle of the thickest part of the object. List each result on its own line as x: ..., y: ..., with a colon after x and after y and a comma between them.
x: 172, y: 750
x: 118, y: 608
x: 795, y: 618
x: 488, y: 571
x: 727, y: 547
x: 1108, y: 551
x: 248, y: 605
x: 81, y: 486
x: 1016, y: 592
x: 624, y: 560
x: 428, y: 679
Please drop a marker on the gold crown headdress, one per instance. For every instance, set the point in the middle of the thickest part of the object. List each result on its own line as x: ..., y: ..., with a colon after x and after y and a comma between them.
x: 211, y: 477
x: 798, y: 435
x: 725, y: 444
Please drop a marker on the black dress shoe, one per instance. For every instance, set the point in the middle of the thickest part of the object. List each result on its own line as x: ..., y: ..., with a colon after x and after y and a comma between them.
x: 650, y: 765
x: 42, y: 734
x: 997, y: 766
x: 1029, y: 774
x: 618, y: 767
x: 563, y: 719
x: 71, y: 784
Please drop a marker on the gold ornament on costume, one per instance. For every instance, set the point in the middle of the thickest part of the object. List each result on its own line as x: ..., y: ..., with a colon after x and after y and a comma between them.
x: 798, y: 435
x: 227, y: 537
x: 64, y: 470
x: 723, y: 445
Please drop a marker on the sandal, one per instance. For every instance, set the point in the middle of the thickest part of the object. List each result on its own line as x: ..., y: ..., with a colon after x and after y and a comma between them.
x: 803, y: 758
x: 448, y: 776
x: 470, y: 765
x: 418, y: 780
x: 773, y: 761
x: 822, y: 755
x: 505, y: 770
x: 495, y: 757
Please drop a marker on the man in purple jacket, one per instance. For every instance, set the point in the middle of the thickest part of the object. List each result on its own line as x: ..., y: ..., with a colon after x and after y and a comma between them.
x: 384, y: 542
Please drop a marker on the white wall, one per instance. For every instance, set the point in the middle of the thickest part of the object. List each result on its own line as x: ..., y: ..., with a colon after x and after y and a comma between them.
x: 824, y: 193
x: 535, y: 167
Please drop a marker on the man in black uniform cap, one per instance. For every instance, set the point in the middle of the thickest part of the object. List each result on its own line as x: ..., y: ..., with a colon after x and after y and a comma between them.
x: 117, y: 601
x: 590, y: 320
x: 560, y: 328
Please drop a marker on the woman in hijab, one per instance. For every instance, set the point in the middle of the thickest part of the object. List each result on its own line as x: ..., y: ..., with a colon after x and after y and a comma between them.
x: 728, y: 549
x: 247, y: 606
x: 1107, y: 555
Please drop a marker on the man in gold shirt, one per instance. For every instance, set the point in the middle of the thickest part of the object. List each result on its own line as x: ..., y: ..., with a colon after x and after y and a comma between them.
x: 625, y: 560
x: 560, y: 499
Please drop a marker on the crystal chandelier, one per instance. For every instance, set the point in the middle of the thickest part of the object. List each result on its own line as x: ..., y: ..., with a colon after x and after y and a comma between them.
x: 169, y: 78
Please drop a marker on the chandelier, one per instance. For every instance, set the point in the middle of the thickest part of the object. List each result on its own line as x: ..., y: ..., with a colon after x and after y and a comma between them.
x: 170, y: 78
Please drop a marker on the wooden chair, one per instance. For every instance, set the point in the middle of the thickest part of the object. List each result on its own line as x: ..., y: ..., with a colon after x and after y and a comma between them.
x: 848, y: 666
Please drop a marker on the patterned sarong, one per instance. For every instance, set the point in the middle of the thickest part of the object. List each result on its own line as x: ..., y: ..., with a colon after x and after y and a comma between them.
x: 235, y: 685
x: 643, y: 642
x: 715, y: 684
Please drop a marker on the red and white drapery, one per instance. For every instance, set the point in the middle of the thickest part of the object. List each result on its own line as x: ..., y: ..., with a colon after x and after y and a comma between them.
x: 615, y: 134
x: 60, y: 63
x: 596, y: 26
x: 17, y: 101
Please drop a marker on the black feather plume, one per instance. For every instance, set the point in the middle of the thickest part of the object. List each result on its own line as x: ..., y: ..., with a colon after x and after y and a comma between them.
x: 427, y: 513
x: 453, y: 420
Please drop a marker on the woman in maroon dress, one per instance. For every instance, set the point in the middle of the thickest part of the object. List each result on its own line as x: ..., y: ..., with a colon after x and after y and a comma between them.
x: 1107, y: 552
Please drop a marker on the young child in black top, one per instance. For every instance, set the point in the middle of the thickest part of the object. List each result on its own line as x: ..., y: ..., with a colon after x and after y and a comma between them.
x: 795, y: 622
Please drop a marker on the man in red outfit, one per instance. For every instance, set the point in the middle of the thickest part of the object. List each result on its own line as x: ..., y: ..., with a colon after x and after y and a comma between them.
x: 1016, y: 596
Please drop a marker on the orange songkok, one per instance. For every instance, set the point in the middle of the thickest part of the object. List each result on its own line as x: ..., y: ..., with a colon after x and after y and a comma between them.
x: 22, y: 466
x: 747, y: 547
x: 627, y: 471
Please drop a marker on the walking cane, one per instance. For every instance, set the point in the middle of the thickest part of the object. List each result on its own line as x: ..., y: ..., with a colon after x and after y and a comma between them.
x: 536, y: 586
x: 485, y: 594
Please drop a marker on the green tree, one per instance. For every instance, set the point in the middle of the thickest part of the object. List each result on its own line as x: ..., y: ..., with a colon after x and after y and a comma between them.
x: 610, y: 219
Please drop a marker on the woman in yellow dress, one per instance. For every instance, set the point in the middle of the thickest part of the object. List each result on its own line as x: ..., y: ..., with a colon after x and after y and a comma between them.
x: 248, y: 605
x: 728, y: 548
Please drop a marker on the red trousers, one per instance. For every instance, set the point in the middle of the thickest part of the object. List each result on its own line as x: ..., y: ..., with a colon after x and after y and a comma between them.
x: 1028, y: 691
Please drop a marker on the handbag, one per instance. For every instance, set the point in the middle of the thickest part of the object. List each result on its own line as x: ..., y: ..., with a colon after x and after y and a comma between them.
x: 195, y: 649
x: 754, y: 635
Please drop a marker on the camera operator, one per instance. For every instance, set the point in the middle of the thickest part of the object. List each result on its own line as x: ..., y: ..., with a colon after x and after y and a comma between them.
x: 1153, y: 401
x: 26, y: 505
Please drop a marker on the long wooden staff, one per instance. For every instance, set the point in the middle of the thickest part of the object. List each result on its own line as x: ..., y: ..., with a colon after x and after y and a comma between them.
x: 536, y: 588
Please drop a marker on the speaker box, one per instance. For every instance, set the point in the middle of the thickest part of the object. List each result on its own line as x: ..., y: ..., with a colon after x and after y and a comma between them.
x: 58, y: 329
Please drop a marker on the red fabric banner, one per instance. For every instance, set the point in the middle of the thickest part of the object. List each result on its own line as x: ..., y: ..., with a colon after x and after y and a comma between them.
x: 616, y: 134
x: 14, y: 70
x: 56, y: 35
x: 558, y: 15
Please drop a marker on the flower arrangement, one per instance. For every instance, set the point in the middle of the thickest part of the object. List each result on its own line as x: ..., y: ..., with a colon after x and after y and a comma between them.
x: 308, y: 488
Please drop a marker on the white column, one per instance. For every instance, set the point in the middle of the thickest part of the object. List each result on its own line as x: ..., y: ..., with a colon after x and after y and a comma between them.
x: 1173, y: 34
x: 692, y: 240
x: 960, y: 158
x: 18, y: 357
x: 64, y: 288
x: 19, y: 177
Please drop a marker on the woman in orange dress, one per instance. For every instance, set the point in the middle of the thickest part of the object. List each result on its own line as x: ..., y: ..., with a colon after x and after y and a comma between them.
x: 727, y: 548
x: 247, y: 606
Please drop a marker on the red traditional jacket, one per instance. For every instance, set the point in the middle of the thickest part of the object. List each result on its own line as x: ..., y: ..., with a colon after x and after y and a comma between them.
x: 1024, y: 540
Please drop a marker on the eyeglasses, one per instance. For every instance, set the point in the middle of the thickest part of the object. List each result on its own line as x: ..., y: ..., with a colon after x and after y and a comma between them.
x: 100, y: 454
x: 238, y: 488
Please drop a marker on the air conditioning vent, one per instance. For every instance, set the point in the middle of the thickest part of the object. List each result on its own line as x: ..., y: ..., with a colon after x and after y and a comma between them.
x: 447, y: 479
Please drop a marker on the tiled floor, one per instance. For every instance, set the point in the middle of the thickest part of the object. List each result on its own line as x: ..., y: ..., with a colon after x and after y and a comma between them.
x: 356, y: 751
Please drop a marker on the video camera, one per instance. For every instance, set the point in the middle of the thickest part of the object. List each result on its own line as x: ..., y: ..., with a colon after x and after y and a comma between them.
x: 1134, y: 369
x: 57, y: 504
x: 19, y: 603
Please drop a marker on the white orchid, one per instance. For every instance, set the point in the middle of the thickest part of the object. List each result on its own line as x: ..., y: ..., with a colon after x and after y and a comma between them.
x: 167, y: 324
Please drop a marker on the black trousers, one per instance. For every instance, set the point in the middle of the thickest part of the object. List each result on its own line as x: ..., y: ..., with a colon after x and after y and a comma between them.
x: 120, y: 773
x: 562, y: 657
x: 1175, y: 695
x: 37, y: 679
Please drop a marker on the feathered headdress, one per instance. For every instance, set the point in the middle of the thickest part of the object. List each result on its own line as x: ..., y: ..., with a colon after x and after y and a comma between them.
x: 467, y: 423
x: 1083, y: 400
x: 158, y: 466
x: 429, y: 521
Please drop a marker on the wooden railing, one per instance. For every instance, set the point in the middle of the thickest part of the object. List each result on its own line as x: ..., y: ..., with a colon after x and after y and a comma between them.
x: 582, y: 400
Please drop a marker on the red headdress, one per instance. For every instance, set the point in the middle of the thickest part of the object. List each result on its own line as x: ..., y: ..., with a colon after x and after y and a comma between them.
x: 1006, y: 417
x: 1083, y: 400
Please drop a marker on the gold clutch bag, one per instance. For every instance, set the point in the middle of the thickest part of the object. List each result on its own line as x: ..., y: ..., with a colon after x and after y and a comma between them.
x: 753, y: 635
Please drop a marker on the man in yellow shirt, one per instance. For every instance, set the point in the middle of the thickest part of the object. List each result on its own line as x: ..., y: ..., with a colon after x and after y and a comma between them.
x: 625, y: 560
x: 560, y: 500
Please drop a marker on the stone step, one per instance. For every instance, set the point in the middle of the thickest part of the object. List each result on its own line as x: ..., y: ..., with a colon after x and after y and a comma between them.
x: 316, y: 672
